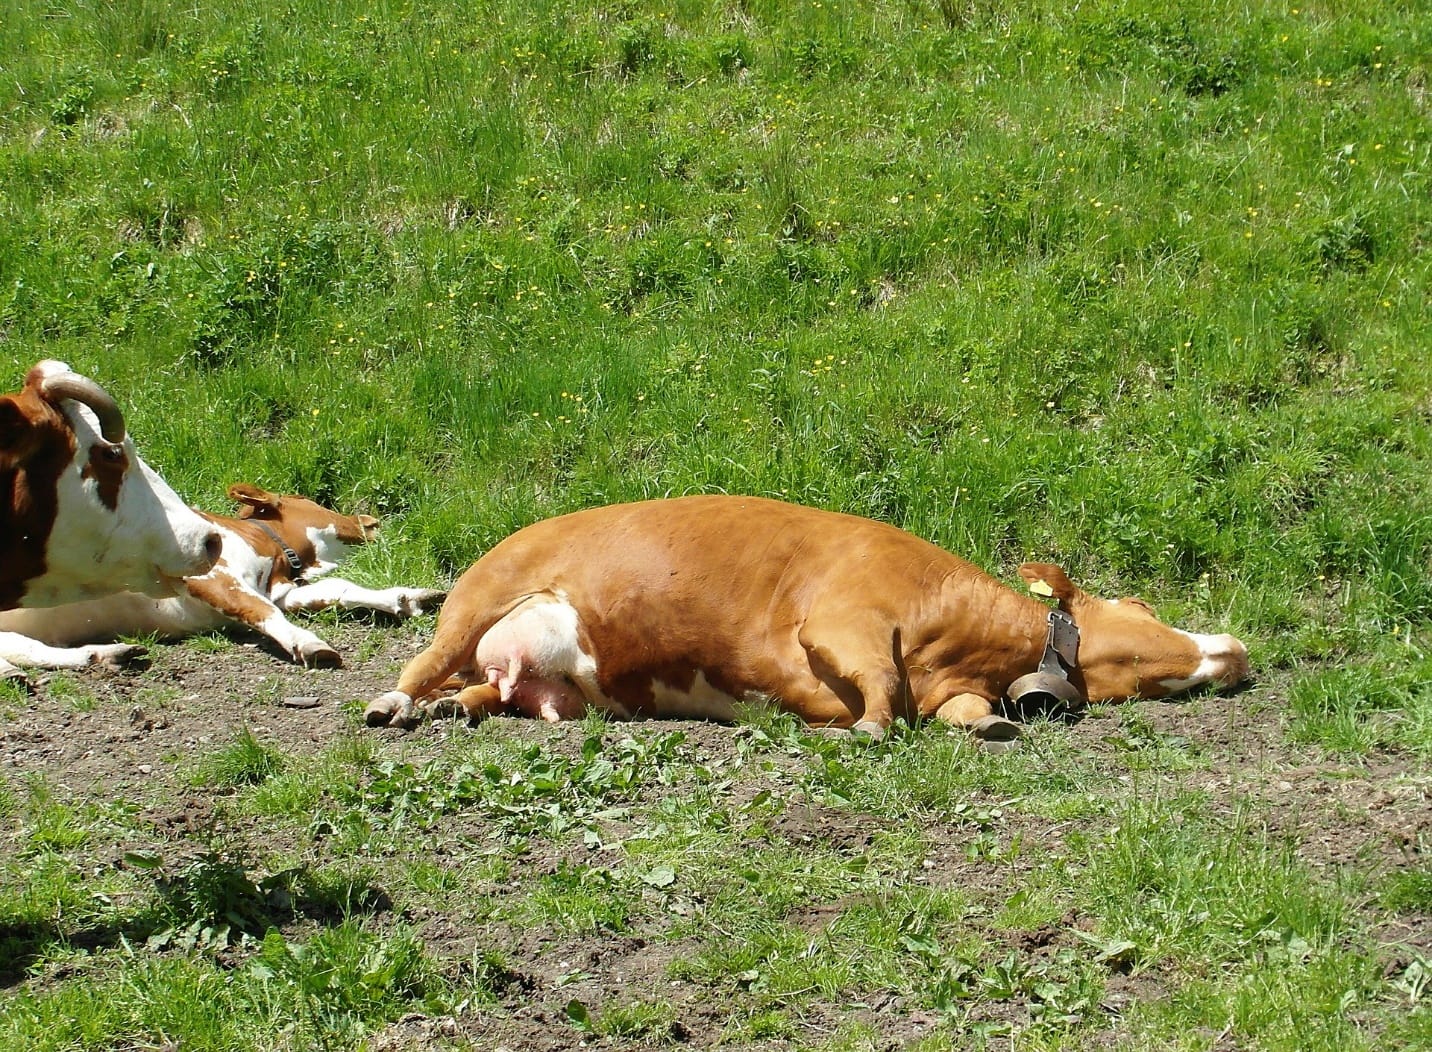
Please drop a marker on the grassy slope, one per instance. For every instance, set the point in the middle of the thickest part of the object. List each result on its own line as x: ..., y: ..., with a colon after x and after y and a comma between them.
x: 1139, y: 291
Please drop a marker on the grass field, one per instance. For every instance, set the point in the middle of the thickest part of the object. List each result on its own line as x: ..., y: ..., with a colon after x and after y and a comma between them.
x: 1135, y: 289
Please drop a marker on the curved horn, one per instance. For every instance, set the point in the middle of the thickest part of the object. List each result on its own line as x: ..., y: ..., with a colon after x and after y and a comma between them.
x: 87, y: 392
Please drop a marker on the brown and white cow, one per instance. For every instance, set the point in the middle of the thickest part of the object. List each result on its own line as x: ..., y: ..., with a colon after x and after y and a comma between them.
x: 275, y: 556
x: 80, y: 514
x: 687, y: 607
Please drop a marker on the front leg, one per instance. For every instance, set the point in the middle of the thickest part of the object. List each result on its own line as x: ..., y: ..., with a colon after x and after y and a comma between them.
x: 10, y: 674
x: 976, y: 715
x: 239, y: 602
x: 335, y: 591
x: 856, y: 663
x: 22, y: 650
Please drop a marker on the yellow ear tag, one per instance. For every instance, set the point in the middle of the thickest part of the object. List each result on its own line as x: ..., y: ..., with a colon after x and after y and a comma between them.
x: 1041, y: 587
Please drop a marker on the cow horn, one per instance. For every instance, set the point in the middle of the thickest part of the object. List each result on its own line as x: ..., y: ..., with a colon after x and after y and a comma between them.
x: 87, y: 392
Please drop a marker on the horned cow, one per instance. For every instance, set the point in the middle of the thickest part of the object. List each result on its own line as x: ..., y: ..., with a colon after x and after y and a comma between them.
x: 275, y: 558
x: 81, y: 515
x: 689, y: 606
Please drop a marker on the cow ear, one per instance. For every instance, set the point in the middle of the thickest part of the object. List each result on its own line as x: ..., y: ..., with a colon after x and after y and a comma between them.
x: 1142, y: 604
x: 256, y: 501
x: 1048, y: 580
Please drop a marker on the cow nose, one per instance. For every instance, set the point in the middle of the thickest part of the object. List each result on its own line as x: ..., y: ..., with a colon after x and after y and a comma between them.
x: 213, y: 548
x: 1235, y: 662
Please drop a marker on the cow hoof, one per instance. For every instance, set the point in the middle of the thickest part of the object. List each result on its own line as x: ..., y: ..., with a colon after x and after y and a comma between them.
x: 380, y: 711
x: 120, y: 656
x: 870, y: 729
x: 994, y: 729
x: 441, y: 708
x: 321, y: 657
x: 10, y: 674
x: 394, y: 709
x: 419, y: 602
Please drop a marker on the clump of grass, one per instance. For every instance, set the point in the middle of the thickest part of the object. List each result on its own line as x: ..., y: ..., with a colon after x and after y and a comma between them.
x: 329, y: 991
x: 245, y: 762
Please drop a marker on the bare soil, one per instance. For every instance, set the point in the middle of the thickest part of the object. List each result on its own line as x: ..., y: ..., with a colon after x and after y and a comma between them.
x: 145, y: 725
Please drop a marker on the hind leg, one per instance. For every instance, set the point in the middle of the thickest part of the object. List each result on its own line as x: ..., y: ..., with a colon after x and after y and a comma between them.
x: 856, y: 664
x: 450, y: 650
x: 477, y: 701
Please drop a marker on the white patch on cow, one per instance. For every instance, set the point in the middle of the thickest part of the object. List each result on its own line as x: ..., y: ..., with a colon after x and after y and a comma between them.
x: 128, y: 613
x: 145, y: 544
x: 1221, y: 655
x: 539, y: 638
x: 241, y: 562
x: 701, y: 702
x: 329, y: 549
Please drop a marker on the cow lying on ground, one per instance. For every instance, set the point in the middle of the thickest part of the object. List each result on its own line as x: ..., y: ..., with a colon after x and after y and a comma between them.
x: 273, y: 556
x: 80, y: 514
x: 687, y: 607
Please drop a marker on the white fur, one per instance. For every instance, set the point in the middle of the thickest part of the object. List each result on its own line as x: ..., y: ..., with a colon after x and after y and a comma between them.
x: 241, y: 570
x: 149, y: 541
x: 537, y: 640
x: 1221, y: 656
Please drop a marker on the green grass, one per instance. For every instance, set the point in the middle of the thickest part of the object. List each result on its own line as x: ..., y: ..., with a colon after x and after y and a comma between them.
x: 1135, y: 289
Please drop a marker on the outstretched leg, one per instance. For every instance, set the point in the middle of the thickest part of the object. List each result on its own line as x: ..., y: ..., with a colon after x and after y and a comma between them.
x: 335, y: 591
x: 31, y: 652
x: 451, y: 649
x: 237, y: 601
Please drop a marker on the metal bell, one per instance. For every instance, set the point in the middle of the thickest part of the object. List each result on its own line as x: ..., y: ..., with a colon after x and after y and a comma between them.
x: 1045, y: 693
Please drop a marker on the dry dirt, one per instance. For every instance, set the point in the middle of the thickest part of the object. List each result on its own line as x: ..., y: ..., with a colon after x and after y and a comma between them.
x: 133, y: 742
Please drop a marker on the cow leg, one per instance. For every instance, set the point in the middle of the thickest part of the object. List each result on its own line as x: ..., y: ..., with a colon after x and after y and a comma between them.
x: 10, y: 674
x: 856, y: 664
x: 22, y: 650
x: 239, y: 602
x: 976, y: 715
x: 452, y: 648
x: 335, y: 591
x: 478, y: 701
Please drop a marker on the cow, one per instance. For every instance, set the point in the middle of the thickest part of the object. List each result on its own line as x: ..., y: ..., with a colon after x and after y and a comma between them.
x: 275, y: 556
x: 690, y: 606
x: 81, y: 515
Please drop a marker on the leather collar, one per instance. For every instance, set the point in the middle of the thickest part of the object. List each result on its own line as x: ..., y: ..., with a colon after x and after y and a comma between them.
x: 294, y: 562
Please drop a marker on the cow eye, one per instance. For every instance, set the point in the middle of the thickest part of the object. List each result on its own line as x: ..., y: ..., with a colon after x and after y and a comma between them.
x: 114, y: 454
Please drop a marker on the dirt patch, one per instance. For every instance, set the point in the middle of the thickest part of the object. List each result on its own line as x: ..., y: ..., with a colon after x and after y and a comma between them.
x: 136, y: 735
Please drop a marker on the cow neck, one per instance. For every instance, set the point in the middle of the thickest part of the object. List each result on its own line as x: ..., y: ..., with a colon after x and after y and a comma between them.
x: 1028, y: 619
x: 1009, y: 632
x: 28, y: 505
x: 295, y: 564
x: 983, y: 636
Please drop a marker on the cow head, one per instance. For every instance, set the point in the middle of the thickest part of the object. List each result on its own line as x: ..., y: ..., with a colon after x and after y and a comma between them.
x: 80, y: 514
x: 1125, y: 651
x: 298, y: 519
